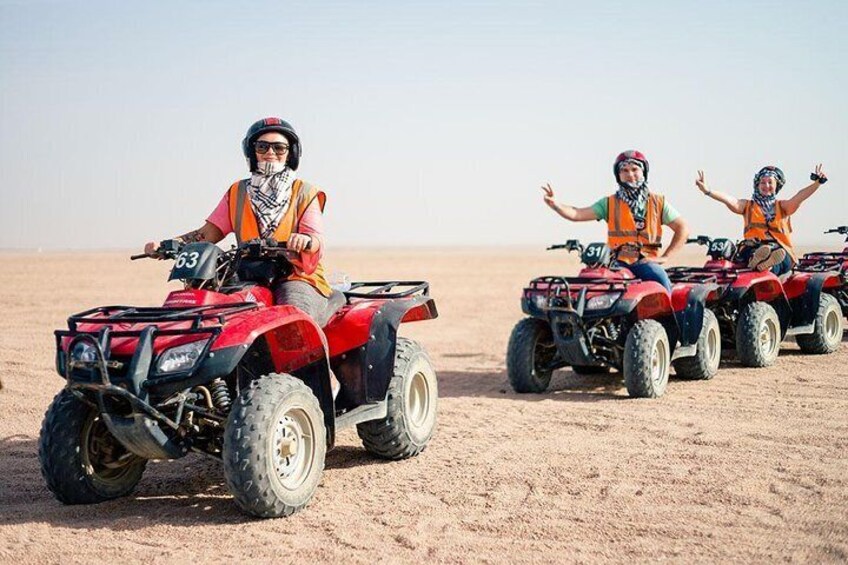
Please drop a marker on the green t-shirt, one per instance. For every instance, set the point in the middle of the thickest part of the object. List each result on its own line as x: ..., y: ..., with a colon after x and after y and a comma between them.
x: 601, y: 209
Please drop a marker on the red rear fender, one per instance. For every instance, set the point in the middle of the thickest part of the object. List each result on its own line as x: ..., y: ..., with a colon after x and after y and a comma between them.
x: 352, y: 326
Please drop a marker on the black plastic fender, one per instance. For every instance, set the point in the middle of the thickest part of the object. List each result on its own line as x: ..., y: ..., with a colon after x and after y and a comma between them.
x: 367, y: 370
x: 690, y: 321
x: 806, y: 306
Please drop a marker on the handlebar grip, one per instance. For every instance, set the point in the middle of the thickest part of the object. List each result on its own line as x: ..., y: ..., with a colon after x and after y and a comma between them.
x: 141, y: 256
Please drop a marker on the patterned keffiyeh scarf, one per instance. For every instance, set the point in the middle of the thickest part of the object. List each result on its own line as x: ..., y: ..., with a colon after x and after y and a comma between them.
x: 635, y: 198
x: 270, y: 191
x: 766, y: 204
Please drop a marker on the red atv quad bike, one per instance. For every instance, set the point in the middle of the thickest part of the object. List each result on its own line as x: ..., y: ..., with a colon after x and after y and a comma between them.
x: 605, y: 318
x: 757, y: 309
x: 219, y: 369
x: 830, y: 261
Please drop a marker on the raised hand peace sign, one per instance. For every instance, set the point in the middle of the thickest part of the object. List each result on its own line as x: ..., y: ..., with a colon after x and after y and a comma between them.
x: 701, y: 183
x: 549, y: 195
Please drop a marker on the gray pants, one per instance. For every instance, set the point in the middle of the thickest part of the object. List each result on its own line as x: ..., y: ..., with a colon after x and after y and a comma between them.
x: 301, y: 295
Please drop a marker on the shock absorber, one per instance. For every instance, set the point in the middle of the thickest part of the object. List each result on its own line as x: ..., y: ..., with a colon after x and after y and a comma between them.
x: 220, y: 395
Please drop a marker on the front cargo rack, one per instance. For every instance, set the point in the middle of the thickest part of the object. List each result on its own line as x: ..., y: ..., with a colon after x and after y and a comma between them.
x: 108, y: 315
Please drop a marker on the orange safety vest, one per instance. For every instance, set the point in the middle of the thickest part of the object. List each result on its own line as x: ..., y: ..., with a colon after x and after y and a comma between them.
x: 246, y: 228
x: 778, y: 229
x: 621, y: 226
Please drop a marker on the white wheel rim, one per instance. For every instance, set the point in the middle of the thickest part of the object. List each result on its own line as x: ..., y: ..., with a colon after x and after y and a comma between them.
x: 712, y: 346
x: 294, y: 447
x: 768, y: 337
x: 659, y: 362
x: 418, y: 400
x: 833, y: 326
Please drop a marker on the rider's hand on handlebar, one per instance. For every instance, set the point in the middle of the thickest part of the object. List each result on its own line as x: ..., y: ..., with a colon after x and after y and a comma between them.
x: 299, y: 242
x: 151, y: 249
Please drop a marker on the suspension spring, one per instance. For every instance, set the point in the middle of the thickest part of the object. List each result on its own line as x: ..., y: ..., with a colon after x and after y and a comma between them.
x: 220, y: 395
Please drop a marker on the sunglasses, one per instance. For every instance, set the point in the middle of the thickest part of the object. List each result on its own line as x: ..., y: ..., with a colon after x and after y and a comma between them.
x: 262, y: 147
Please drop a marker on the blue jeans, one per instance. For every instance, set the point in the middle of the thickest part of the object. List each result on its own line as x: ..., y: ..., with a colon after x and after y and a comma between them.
x: 650, y: 271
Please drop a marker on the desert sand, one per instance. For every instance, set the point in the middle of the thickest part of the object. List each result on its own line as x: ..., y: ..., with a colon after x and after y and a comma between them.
x: 751, y: 466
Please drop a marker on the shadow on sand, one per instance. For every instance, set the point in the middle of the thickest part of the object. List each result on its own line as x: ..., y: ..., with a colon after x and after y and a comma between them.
x: 184, y: 492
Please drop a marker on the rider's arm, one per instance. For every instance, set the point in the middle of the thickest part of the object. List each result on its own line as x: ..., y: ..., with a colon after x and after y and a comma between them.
x: 574, y: 214
x: 791, y: 206
x: 312, y: 225
x: 733, y: 204
x: 681, y: 232
x: 208, y: 232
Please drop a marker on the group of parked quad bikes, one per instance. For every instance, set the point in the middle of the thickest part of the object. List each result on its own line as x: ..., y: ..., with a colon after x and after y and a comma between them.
x: 605, y: 319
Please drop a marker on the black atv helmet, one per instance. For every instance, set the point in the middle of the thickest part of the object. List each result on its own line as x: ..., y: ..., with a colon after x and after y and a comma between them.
x: 264, y: 126
x: 773, y: 171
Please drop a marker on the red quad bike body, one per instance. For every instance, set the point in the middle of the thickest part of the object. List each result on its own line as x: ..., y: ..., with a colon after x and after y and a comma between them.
x: 823, y: 261
x: 605, y: 318
x: 757, y: 309
x: 219, y: 369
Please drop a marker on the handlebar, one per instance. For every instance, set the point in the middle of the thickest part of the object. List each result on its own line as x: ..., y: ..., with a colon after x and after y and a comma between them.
x: 700, y: 240
x: 841, y: 230
x: 256, y: 248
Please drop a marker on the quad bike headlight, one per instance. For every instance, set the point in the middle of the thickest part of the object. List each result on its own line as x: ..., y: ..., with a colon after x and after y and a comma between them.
x: 180, y: 358
x: 540, y: 301
x: 602, y: 301
x: 84, y: 352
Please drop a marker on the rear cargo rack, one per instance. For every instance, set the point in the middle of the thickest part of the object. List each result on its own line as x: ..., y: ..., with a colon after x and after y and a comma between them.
x: 131, y: 314
x: 703, y: 275
x: 386, y: 289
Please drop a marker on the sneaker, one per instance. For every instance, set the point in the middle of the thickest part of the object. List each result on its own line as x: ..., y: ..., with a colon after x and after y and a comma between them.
x: 776, y: 257
x: 758, y: 256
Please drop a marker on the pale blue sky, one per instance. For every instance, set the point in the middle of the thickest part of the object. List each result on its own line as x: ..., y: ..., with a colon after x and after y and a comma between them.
x: 427, y: 124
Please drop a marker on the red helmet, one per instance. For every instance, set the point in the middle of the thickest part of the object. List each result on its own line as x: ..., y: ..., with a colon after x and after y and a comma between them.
x: 264, y: 126
x: 630, y: 155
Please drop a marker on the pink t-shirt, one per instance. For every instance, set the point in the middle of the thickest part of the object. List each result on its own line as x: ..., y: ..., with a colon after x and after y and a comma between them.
x: 311, y: 224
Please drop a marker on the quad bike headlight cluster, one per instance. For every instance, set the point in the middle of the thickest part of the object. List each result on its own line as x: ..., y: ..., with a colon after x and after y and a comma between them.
x: 84, y: 352
x: 602, y: 301
x: 181, y: 358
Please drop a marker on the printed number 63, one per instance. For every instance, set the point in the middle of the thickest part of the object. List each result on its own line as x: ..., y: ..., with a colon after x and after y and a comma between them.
x: 188, y: 260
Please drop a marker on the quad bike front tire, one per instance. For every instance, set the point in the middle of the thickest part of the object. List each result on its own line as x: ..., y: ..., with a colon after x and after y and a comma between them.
x: 275, y: 442
x: 827, y: 334
x: 82, y: 462
x: 412, y: 406
x: 528, y: 356
x: 647, y: 360
x: 704, y: 364
x: 758, y: 335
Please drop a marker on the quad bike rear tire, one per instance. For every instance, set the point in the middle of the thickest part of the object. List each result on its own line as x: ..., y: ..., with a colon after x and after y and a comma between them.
x: 412, y: 407
x: 82, y: 462
x: 827, y: 334
x: 529, y: 353
x: 590, y: 369
x: 704, y: 364
x: 275, y: 442
x: 758, y: 335
x: 647, y: 360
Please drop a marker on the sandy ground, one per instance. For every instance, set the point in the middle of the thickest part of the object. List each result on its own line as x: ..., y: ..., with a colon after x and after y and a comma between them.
x: 751, y: 466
